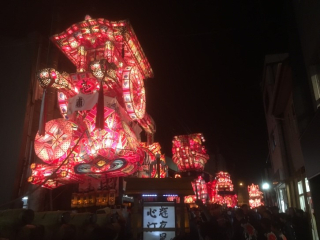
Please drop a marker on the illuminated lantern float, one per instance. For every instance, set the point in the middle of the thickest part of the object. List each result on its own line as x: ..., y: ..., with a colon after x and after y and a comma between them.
x: 221, y: 190
x: 102, y: 107
x: 190, y: 155
x: 188, y: 152
x: 149, y: 167
x: 200, y: 188
x: 255, y: 196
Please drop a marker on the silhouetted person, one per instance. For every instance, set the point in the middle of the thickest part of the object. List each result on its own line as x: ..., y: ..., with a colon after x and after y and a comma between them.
x: 276, y: 229
x: 301, y: 226
x: 214, y: 227
x: 265, y: 228
x: 242, y: 228
x: 286, y: 226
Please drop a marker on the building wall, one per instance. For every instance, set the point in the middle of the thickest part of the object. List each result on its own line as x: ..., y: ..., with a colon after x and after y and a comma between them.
x: 17, y: 59
x: 292, y: 138
x: 20, y: 105
x: 277, y: 150
x: 285, y: 150
x: 307, y: 17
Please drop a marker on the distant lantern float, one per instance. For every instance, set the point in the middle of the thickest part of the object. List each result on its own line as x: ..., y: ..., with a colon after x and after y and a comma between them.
x: 101, y: 104
x: 188, y: 152
x: 221, y: 190
x: 255, y: 196
x: 200, y: 189
x: 149, y: 167
x: 224, y: 182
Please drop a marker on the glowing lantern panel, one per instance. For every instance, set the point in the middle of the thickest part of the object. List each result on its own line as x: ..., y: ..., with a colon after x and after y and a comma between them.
x: 134, y: 93
x: 55, y: 142
x: 188, y: 152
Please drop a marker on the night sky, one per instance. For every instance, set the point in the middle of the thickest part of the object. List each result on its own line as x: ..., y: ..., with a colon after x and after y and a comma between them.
x: 207, y: 58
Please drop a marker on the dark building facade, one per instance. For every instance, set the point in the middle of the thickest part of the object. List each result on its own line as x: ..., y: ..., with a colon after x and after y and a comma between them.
x: 21, y: 98
x: 307, y: 15
x: 294, y: 108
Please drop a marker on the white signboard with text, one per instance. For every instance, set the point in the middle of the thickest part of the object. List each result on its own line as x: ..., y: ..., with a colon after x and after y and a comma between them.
x: 159, y: 235
x: 159, y: 221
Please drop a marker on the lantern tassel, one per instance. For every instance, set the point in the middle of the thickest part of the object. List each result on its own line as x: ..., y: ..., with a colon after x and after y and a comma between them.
x: 43, y: 113
x: 100, y: 109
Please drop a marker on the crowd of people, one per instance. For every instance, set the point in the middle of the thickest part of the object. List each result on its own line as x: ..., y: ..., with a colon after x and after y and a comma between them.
x: 216, y: 222
x: 263, y: 223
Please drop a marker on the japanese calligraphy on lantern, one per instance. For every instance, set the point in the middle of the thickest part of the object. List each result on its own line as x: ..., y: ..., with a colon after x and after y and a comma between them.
x: 159, y: 220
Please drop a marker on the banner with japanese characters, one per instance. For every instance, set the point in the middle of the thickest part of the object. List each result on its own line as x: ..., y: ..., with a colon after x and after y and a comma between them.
x: 159, y: 221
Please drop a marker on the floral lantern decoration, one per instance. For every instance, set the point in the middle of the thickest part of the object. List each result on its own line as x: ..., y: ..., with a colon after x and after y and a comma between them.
x: 102, y: 105
x: 188, y: 152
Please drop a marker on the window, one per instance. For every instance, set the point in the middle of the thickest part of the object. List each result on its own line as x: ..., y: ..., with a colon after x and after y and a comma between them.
x: 282, y: 197
x: 282, y: 203
x: 25, y: 202
x: 301, y: 196
x: 315, y: 80
x: 300, y: 188
x: 307, y: 185
x: 302, y: 203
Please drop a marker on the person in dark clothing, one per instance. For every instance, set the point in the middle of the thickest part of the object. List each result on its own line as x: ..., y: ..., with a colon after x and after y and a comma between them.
x: 265, y: 229
x: 242, y: 229
x: 286, y: 226
x: 266, y: 214
x: 301, y: 226
x: 245, y: 208
x: 215, y: 225
x: 275, y: 213
x: 276, y: 229
x: 195, y: 223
